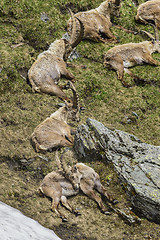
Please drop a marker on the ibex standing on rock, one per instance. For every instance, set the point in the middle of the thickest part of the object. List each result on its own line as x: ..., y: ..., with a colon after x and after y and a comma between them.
x: 121, y: 57
x: 54, y: 131
x: 149, y: 11
x: 97, y: 21
x: 50, y: 65
x: 60, y: 185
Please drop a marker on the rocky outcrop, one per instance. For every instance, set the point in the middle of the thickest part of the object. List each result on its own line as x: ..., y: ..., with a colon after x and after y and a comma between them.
x: 137, y: 163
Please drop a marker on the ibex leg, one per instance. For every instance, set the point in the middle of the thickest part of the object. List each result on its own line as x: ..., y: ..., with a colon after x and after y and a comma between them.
x: 93, y: 35
x: 99, y: 187
x: 88, y: 190
x: 54, y: 90
x: 148, y: 59
x: 108, y: 35
x: 55, y: 204
x: 68, y: 206
x: 67, y: 74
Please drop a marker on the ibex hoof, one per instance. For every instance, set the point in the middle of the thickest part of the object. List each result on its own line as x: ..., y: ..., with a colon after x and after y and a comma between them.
x: 77, y: 213
x: 64, y: 220
x: 107, y: 213
x: 115, y: 201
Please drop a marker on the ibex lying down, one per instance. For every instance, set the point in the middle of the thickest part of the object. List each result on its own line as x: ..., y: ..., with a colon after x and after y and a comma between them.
x: 46, y: 71
x: 149, y: 11
x: 121, y: 57
x: 60, y: 185
x: 54, y: 131
x: 97, y: 21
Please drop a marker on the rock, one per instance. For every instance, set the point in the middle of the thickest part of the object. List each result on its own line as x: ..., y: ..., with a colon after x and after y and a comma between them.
x: 136, y: 163
x: 44, y: 17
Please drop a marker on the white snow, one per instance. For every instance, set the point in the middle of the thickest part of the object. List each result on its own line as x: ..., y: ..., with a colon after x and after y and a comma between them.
x: 16, y: 226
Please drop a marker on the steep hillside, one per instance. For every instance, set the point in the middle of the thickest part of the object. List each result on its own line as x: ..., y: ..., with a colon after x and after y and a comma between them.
x: 26, y: 29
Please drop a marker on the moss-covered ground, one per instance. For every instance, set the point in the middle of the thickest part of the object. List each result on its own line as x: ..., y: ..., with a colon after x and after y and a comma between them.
x: 23, y: 35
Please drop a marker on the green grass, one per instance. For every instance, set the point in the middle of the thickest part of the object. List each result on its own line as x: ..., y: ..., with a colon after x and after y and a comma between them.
x: 102, y: 94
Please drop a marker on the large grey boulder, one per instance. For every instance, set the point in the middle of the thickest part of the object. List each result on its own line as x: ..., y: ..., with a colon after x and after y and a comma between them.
x: 137, y: 163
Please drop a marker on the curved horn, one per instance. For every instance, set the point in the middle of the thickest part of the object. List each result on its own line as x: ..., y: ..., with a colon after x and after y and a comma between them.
x: 74, y: 41
x: 156, y: 38
x: 155, y: 32
x: 58, y: 160
x: 76, y: 105
x: 76, y: 101
x: 62, y: 165
x: 148, y: 34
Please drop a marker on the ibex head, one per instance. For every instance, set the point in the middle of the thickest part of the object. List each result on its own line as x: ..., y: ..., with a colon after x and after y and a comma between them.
x: 155, y: 39
x: 74, y: 39
x: 70, y: 173
x: 73, y: 108
x: 75, y: 177
x: 111, y: 7
x: 62, y: 47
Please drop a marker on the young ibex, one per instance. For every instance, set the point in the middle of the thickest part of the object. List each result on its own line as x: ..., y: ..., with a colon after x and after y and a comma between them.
x: 68, y: 182
x: 50, y: 65
x: 54, y: 131
x: 149, y: 11
x: 97, y: 21
x: 121, y: 57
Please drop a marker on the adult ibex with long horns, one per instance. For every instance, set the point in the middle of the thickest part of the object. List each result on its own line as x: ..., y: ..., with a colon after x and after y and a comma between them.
x: 54, y: 131
x: 50, y: 65
x: 149, y: 11
x: 122, y: 57
x: 68, y: 182
x: 97, y: 21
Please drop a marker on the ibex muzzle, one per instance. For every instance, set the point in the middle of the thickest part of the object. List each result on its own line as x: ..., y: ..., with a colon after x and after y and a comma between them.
x: 60, y: 185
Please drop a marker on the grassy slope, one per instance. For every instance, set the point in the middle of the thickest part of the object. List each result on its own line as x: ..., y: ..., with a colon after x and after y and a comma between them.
x: 102, y: 94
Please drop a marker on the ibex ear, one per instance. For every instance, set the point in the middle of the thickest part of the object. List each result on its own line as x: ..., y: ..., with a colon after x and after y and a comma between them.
x: 66, y: 104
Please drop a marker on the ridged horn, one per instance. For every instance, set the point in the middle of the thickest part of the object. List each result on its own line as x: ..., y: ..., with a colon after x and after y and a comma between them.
x: 156, y: 37
x: 75, y: 40
x: 156, y: 32
x: 148, y: 34
x: 62, y: 165
x: 76, y: 105
x: 75, y: 99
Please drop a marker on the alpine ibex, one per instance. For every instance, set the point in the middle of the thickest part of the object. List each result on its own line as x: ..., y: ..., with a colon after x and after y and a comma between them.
x: 121, y: 57
x: 50, y: 65
x: 149, y: 11
x: 68, y: 182
x: 97, y: 21
x: 54, y: 131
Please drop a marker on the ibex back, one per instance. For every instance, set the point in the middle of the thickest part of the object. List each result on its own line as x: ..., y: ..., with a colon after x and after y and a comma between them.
x: 149, y: 11
x: 97, y: 21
